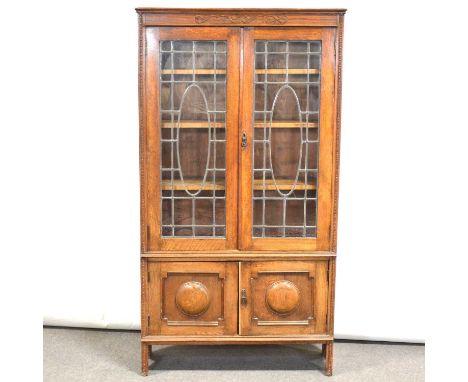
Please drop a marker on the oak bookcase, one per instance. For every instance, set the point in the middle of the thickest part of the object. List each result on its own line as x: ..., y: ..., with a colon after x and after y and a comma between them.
x: 239, y: 157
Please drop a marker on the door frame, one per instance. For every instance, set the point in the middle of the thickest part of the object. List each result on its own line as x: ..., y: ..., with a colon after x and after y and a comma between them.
x: 327, y: 138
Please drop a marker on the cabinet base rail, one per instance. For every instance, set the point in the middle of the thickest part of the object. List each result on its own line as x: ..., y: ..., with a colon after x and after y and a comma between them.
x: 325, y: 340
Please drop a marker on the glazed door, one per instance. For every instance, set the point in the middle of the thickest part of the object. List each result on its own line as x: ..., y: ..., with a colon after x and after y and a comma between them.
x: 191, y: 109
x: 287, y: 139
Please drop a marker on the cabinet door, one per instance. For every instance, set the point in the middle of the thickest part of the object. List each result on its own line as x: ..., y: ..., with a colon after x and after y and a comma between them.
x: 288, y: 129
x: 186, y: 298
x: 190, y: 110
x: 283, y: 297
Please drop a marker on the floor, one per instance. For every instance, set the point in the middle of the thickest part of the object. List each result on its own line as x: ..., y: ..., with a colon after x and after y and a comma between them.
x: 105, y: 355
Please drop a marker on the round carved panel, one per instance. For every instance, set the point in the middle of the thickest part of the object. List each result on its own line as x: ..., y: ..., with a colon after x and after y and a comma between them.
x: 192, y: 298
x: 282, y: 296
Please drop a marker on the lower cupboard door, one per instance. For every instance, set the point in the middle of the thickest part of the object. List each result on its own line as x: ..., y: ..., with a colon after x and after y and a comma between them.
x: 188, y: 298
x: 283, y: 297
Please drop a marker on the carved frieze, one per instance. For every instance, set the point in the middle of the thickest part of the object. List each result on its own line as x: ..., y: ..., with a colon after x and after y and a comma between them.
x: 241, y: 19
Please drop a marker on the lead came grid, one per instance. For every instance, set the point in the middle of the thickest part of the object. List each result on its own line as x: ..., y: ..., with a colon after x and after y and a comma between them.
x: 292, y: 67
x: 185, y: 66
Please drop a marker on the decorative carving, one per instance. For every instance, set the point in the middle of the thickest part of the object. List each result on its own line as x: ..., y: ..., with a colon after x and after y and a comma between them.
x: 192, y: 323
x: 329, y: 359
x: 339, y: 49
x: 282, y: 323
x: 282, y: 296
x: 241, y: 19
x: 192, y: 298
x: 144, y: 286
x: 143, y: 236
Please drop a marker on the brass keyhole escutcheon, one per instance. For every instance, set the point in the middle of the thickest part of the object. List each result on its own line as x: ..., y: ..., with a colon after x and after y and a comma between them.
x: 244, y: 140
x: 243, y: 297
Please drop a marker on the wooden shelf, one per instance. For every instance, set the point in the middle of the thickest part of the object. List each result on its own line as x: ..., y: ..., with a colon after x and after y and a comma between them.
x: 193, y: 185
x: 285, y: 124
x: 258, y: 124
x: 192, y: 71
x: 283, y: 184
x: 191, y: 124
x: 289, y: 71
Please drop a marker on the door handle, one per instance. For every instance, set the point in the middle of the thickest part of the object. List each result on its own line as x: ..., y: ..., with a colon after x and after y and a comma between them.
x: 243, y: 297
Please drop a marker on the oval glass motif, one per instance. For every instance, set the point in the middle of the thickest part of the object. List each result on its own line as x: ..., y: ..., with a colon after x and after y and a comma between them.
x: 191, y: 166
x: 284, y: 142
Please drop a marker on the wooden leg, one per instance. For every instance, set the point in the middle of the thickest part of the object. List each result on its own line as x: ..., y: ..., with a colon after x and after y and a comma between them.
x: 329, y: 359
x: 324, y: 349
x: 144, y: 359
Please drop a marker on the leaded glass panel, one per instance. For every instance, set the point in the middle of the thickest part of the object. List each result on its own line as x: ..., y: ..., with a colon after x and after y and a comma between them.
x: 193, y: 138
x: 286, y: 138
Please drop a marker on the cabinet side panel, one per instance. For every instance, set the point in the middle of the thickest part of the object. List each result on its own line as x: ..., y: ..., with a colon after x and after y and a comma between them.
x: 142, y: 130
x: 331, y: 296
x: 336, y: 171
x: 338, y: 85
x: 144, y: 296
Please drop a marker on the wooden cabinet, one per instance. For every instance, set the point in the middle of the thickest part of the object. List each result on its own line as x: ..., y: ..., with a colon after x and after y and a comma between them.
x: 239, y: 151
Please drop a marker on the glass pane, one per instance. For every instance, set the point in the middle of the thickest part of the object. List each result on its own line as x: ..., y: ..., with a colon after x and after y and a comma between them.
x: 286, y: 138
x: 193, y: 138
